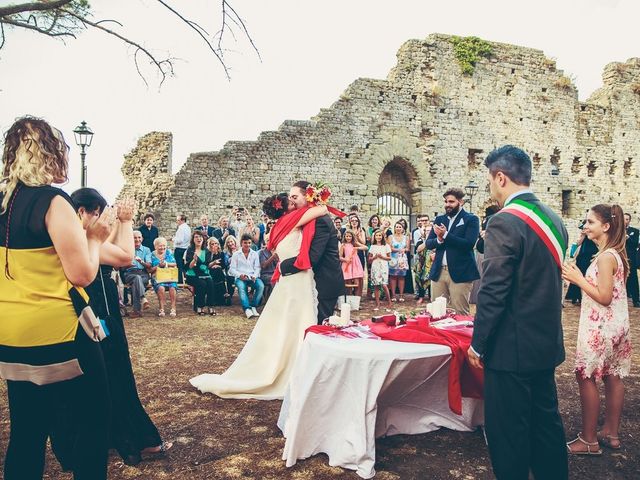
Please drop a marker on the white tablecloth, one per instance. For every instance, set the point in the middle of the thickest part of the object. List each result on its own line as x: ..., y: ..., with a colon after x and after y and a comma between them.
x: 344, y: 393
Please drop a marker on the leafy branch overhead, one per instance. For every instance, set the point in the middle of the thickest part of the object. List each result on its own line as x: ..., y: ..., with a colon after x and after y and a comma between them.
x: 67, y: 18
x: 469, y: 50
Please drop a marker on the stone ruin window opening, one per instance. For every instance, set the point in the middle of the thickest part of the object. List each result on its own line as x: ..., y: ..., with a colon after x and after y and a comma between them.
x: 509, y: 90
x: 612, y: 167
x: 567, y: 197
x: 627, y: 167
x: 536, y: 160
x: 442, y: 110
x: 591, y: 168
x: 544, y: 89
x: 473, y: 159
x: 513, y: 71
x: 554, y: 159
x: 576, y: 165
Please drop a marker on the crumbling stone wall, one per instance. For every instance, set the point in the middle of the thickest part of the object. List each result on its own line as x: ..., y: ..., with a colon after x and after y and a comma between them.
x: 425, y: 128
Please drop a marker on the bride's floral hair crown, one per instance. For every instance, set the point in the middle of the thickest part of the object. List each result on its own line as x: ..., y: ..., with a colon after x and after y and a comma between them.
x: 318, y: 194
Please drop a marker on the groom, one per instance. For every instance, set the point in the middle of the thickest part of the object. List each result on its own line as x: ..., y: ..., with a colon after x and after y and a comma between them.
x: 323, y: 255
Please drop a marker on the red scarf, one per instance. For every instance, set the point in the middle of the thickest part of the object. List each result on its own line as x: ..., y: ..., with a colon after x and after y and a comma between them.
x: 283, y: 227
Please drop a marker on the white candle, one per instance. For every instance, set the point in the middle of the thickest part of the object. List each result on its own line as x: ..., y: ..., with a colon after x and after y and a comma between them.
x: 345, y: 313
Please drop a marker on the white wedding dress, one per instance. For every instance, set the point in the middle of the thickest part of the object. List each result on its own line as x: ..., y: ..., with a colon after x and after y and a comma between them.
x: 263, y: 367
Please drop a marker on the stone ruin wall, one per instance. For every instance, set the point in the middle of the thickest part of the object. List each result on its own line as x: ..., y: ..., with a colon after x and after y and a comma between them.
x: 426, y: 128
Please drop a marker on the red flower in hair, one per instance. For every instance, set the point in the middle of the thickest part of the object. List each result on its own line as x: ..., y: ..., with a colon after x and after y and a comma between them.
x: 277, y: 204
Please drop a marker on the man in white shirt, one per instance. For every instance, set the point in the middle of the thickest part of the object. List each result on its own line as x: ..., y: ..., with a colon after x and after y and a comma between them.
x: 181, y: 241
x: 245, y: 267
x: 236, y: 222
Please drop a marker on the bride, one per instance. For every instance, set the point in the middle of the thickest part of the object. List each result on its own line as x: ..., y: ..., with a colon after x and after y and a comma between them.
x: 263, y: 367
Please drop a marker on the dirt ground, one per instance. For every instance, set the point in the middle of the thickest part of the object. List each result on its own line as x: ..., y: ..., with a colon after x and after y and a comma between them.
x: 238, y: 439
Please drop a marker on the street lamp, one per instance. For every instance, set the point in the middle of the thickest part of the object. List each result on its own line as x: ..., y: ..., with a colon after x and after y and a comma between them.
x: 470, y: 190
x: 83, y: 135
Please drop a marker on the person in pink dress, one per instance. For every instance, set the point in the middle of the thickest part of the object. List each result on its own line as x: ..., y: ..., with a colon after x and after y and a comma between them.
x: 604, y: 346
x: 352, y: 269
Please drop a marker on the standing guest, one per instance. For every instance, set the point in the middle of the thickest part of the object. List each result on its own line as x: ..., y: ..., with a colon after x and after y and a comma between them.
x: 423, y: 259
x: 416, y: 234
x: 337, y: 222
x: 217, y: 268
x: 137, y: 275
x: 454, y: 237
x: 267, y: 232
x: 360, y: 235
x: 236, y: 222
x: 132, y: 432
x: 245, y: 268
x: 49, y: 354
x: 197, y: 261
x: 379, y: 256
x: 604, y: 347
x: 262, y: 226
x: 352, y: 270
x: 399, y: 263
x: 205, y: 227
x: 633, y: 235
x: 181, y: 241
x: 268, y: 262
x: 230, y: 247
x: 373, y: 225
x: 587, y: 250
x: 148, y: 230
x: 223, y: 230
x: 386, y: 227
x: 253, y: 231
x: 517, y: 333
x: 161, y: 257
x: 488, y: 213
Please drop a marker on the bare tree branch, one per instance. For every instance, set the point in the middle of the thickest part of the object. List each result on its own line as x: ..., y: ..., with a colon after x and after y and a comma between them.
x: 35, y: 28
x: 160, y: 64
x: 206, y: 40
x: 33, y: 7
x: 244, y: 27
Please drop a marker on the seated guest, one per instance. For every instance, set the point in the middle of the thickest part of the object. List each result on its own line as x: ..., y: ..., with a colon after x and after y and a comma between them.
x: 224, y: 230
x: 205, y: 227
x: 217, y: 268
x: 197, y: 261
x: 137, y: 275
x: 236, y: 222
x: 245, y: 268
x: 229, y: 248
x: 162, y: 257
x: 268, y: 263
x: 149, y: 231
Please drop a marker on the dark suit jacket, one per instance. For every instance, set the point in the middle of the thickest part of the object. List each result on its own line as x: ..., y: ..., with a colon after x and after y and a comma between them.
x: 458, y: 244
x: 325, y: 260
x: 518, y: 321
x: 632, y: 245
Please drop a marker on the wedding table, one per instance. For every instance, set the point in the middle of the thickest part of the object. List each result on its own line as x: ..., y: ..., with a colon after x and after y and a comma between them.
x: 345, y: 393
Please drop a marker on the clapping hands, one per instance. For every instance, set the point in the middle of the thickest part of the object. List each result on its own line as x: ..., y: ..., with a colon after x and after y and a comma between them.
x: 440, y: 231
x: 125, y: 209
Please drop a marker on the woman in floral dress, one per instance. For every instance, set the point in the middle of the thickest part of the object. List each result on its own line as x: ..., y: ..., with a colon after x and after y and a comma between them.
x: 379, y: 256
x: 604, y: 346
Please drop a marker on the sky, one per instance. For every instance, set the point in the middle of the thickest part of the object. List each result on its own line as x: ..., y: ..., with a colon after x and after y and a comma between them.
x: 309, y: 53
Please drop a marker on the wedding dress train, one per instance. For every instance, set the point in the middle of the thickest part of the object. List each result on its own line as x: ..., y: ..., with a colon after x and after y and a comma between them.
x: 263, y: 367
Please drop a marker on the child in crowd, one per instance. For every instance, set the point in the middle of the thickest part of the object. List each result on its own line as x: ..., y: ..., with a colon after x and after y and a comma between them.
x: 379, y: 256
x: 351, y: 265
x: 604, y: 347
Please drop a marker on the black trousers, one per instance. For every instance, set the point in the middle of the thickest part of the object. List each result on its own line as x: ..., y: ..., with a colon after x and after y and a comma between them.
x: 33, y: 410
x: 326, y: 306
x: 204, y: 292
x: 178, y: 253
x: 523, y: 426
x: 632, y: 282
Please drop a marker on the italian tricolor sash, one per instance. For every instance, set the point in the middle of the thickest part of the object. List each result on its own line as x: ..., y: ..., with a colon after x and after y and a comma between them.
x: 541, y: 225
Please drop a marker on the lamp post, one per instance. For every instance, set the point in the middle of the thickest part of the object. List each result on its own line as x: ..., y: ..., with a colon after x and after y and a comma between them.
x: 470, y: 190
x: 83, y: 135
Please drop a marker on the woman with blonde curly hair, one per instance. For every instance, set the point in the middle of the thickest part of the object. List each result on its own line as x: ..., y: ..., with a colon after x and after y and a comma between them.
x: 49, y: 350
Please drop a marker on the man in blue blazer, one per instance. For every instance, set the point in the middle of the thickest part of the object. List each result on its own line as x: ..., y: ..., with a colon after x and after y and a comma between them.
x: 453, y: 237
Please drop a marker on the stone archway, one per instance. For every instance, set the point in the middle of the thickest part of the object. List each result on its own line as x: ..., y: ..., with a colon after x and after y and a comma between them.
x: 396, y: 185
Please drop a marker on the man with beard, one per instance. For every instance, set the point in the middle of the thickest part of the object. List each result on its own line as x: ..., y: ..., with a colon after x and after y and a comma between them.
x: 632, y: 254
x: 453, y: 237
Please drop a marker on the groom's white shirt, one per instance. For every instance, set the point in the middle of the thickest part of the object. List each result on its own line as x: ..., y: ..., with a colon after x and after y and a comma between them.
x: 241, y: 265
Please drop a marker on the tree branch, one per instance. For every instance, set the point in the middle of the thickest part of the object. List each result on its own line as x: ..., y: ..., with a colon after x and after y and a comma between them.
x: 160, y: 64
x: 35, y: 28
x: 206, y: 40
x: 32, y: 7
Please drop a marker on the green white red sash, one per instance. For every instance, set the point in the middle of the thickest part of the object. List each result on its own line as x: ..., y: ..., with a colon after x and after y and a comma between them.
x: 541, y: 225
